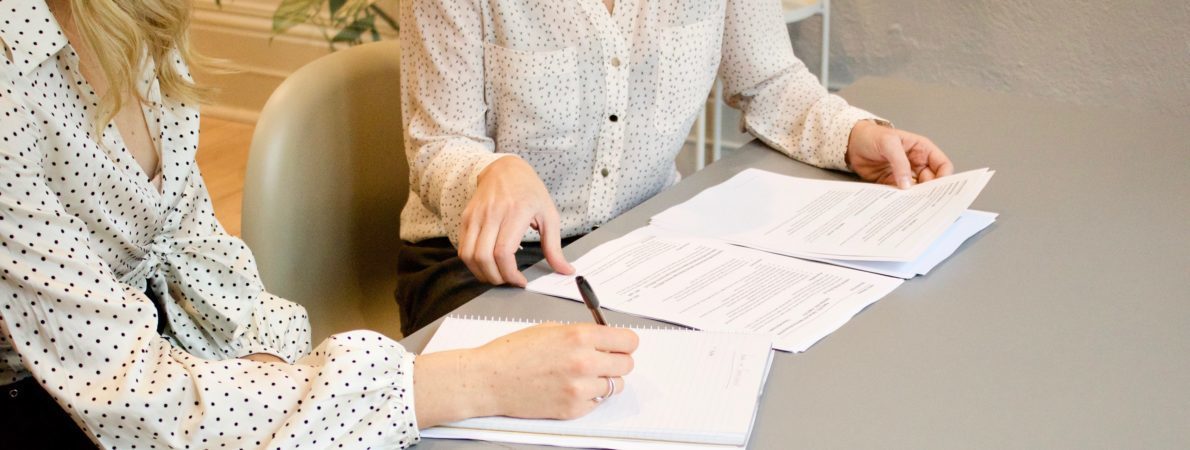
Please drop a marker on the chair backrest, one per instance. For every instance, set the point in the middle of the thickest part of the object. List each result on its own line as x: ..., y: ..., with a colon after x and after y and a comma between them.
x: 326, y: 181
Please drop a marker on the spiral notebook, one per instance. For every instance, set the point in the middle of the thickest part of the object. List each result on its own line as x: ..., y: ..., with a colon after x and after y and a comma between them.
x: 688, y: 390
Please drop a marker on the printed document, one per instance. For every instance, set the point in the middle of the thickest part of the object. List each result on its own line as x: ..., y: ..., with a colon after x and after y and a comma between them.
x: 827, y: 219
x: 969, y: 224
x: 712, y: 285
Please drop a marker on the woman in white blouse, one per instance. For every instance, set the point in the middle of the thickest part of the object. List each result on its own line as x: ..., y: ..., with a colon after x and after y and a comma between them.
x: 130, y: 319
x: 529, y: 123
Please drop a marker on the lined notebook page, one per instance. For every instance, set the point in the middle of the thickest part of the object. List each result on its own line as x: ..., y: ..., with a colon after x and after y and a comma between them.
x: 687, y: 386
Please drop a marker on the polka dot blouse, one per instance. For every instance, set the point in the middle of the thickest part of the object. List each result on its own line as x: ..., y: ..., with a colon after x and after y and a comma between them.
x: 598, y: 103
x: 85, y: 235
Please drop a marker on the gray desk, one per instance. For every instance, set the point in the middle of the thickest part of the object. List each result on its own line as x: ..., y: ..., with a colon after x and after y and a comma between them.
x: 1064, y: 325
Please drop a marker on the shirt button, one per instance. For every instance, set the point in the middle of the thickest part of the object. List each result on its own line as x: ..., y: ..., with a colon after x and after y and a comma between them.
x: 604, y: 172
x: 613, y: 118
x: 14, y: 393
x: 615, y: 62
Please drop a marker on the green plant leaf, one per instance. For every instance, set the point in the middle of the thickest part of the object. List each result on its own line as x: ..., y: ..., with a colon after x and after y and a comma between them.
x: 291, y: 13
x: 352, y: 32
x: 385, y: 17
x: 349, y: 12
x: 335, y: 5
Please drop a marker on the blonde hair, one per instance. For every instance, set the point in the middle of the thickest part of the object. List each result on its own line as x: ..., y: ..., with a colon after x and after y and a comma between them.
x: 124, y: 34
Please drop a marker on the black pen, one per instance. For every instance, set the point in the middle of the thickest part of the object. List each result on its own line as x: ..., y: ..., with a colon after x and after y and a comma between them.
x: 584, y: 289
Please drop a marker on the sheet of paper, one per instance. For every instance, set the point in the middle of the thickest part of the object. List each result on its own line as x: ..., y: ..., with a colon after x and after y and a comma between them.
x: 577, y: 441
x: 712, y: 285
x: 826, y: 219
x: 566, y: 441
x: 969, y: 223
x: 661, y: 401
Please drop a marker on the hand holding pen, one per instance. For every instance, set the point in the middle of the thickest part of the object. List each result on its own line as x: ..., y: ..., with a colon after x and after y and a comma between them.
x: 592, y: 302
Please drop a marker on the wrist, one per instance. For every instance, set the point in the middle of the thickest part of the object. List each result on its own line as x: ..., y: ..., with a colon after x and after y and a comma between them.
x: 478, y: 376
x: 499, y: 166
x: 449, y: 387
x: 854, y: 140
x: 859, y: 137
x: 264, y: 358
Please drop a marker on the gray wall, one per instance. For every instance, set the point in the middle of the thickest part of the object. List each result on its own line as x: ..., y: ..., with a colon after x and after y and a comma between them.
x: 1134, y: 54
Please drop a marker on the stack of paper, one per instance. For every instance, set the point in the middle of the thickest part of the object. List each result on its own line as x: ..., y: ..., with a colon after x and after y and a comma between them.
x: 844, y: 223
x: 716, y: 261
x: 688, y: 390
x: 968, y: 224
x: 712, y: 285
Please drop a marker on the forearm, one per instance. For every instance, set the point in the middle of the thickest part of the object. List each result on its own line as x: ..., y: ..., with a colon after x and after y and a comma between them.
x: 122, y: 383
x: 797, y: 117
x: 451, y: 386
x: 443, y: 104
x: 783, y: 104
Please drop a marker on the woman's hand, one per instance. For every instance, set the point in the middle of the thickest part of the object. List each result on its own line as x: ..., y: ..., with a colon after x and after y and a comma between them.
x: 546, y: 371
x: 888, y: 156
x: 508, y: 199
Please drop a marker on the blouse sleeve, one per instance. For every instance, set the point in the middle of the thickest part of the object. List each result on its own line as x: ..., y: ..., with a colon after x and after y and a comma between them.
x: 91, y: 342
x: 443, y: 106
x: 783, y: 104
x: 269, y: 324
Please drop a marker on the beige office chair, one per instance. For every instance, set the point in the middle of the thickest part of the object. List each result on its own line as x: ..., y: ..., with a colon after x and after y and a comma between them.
x: 326, y: 181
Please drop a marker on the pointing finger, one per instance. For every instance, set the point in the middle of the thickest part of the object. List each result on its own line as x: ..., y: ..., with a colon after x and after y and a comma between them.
x: 894, y: 153
x: 551, y: 243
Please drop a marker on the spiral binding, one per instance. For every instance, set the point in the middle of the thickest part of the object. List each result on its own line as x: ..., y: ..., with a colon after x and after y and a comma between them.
x: 484, y: 318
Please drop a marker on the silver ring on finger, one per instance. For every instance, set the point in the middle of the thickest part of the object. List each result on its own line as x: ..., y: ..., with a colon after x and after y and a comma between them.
x: 611, y: 389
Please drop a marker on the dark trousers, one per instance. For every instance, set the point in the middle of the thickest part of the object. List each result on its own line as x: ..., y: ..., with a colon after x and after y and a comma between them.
x: 432, y: 281
x: 31, y: 419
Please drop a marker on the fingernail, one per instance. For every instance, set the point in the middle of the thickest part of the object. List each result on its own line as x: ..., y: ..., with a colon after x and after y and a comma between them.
x: 905, y: 182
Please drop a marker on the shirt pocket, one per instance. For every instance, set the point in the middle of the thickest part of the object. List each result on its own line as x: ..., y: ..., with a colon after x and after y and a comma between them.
x: 535, y: 98
x: 685, y: 72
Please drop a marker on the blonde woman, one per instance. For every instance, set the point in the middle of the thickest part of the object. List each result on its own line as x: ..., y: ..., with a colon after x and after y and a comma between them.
x: 130, y: 319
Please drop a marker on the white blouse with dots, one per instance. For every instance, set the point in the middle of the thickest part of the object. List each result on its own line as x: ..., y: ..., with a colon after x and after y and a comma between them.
x: 598, y: 103
x: 85, y: 234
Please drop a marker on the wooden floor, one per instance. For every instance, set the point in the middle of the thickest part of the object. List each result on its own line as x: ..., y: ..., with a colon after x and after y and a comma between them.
x: 223, y: 157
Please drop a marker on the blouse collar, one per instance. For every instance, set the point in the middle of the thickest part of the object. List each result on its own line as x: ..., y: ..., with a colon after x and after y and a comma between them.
x: 31, y: 33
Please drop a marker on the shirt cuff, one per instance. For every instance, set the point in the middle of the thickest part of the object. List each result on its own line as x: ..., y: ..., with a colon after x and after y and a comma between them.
x: 279, y: 327
x: 405, y: 406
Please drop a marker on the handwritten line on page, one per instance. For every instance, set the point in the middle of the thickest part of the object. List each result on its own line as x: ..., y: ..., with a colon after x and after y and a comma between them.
x: 826, y: 219
x: 713, y: 285
x: 661, y: 403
